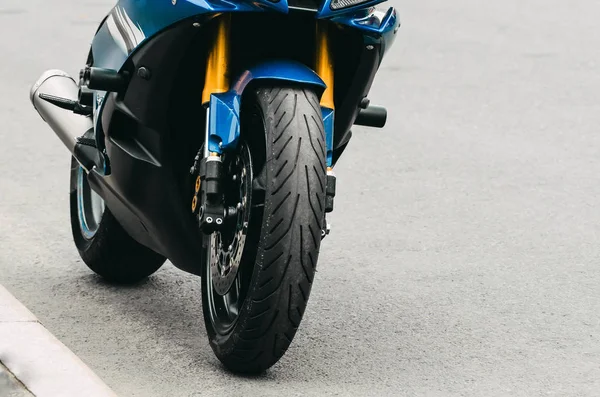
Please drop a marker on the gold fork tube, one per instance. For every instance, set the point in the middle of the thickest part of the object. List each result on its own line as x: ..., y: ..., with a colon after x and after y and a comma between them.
x: 217, y: 66
x: 324, y: 63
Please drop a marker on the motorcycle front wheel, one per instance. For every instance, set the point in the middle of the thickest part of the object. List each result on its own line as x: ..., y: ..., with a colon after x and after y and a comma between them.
x: 258, y: 274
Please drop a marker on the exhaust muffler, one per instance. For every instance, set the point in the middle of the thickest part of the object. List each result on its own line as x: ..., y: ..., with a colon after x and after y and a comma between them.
x: 66, y: 124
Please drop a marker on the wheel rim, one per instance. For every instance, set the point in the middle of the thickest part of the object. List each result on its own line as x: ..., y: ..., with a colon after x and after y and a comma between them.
x: 225, y: 282
x: 90, y: 206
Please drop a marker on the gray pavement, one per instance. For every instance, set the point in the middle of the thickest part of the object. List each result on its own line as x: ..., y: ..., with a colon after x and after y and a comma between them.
x: 464, y: 255
x: 33, y: 360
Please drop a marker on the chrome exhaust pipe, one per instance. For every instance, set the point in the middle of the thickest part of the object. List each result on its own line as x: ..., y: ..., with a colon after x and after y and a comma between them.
x: 66, y: 124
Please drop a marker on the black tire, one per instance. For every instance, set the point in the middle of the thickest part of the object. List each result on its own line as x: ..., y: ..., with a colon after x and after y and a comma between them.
x: 110, y: 252
x: 281, y: 258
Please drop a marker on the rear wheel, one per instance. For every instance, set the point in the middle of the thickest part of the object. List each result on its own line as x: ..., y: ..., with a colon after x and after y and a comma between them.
x: 258, y: 275
x: 103, y: 244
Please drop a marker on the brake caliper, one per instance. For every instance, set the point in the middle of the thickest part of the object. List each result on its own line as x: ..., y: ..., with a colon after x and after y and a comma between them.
x: 207, y: 202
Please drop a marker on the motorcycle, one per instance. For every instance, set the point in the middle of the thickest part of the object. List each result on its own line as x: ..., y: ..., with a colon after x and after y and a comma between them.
x: 206, y: 132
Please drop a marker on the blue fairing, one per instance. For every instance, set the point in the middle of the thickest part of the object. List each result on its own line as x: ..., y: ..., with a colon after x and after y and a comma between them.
x: 325, y: 10
x: 378, y: 26
x: 133, y: 22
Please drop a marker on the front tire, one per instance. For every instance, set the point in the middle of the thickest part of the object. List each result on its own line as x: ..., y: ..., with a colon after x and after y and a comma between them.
x: 251, y: 326
x: 102, y: 243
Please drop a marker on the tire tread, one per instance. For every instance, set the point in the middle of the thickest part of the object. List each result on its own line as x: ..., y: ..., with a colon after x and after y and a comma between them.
x: 286, y: 256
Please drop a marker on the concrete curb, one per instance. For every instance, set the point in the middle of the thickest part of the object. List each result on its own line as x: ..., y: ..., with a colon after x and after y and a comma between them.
x: 38, y: 360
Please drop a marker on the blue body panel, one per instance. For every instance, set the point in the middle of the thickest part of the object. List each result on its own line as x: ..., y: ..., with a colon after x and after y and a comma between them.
x: 328, y: 123
x: 377, y: 26
x: 131, y: 23
x: 325, y: 10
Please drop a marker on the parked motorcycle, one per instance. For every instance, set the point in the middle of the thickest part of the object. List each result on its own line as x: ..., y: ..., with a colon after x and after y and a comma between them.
x: 205, y: 132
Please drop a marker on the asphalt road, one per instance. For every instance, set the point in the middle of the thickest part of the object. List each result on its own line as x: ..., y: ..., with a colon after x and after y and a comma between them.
x: 464, y: 255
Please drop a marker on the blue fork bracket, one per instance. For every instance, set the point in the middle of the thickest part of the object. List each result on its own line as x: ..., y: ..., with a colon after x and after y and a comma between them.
x: 224, y: 115
x: 328, y: 123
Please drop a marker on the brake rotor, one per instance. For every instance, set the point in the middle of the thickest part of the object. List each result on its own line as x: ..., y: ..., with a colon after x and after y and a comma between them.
x: 227, y: 246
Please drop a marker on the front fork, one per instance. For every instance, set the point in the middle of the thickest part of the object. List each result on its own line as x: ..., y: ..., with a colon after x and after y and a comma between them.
x: 208, y: 192
x: 207, y: 202
x: 324, y: 68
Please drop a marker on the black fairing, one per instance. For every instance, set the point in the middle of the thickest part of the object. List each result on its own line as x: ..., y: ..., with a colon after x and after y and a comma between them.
x: 347, y: 103
x: 146, y: 186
